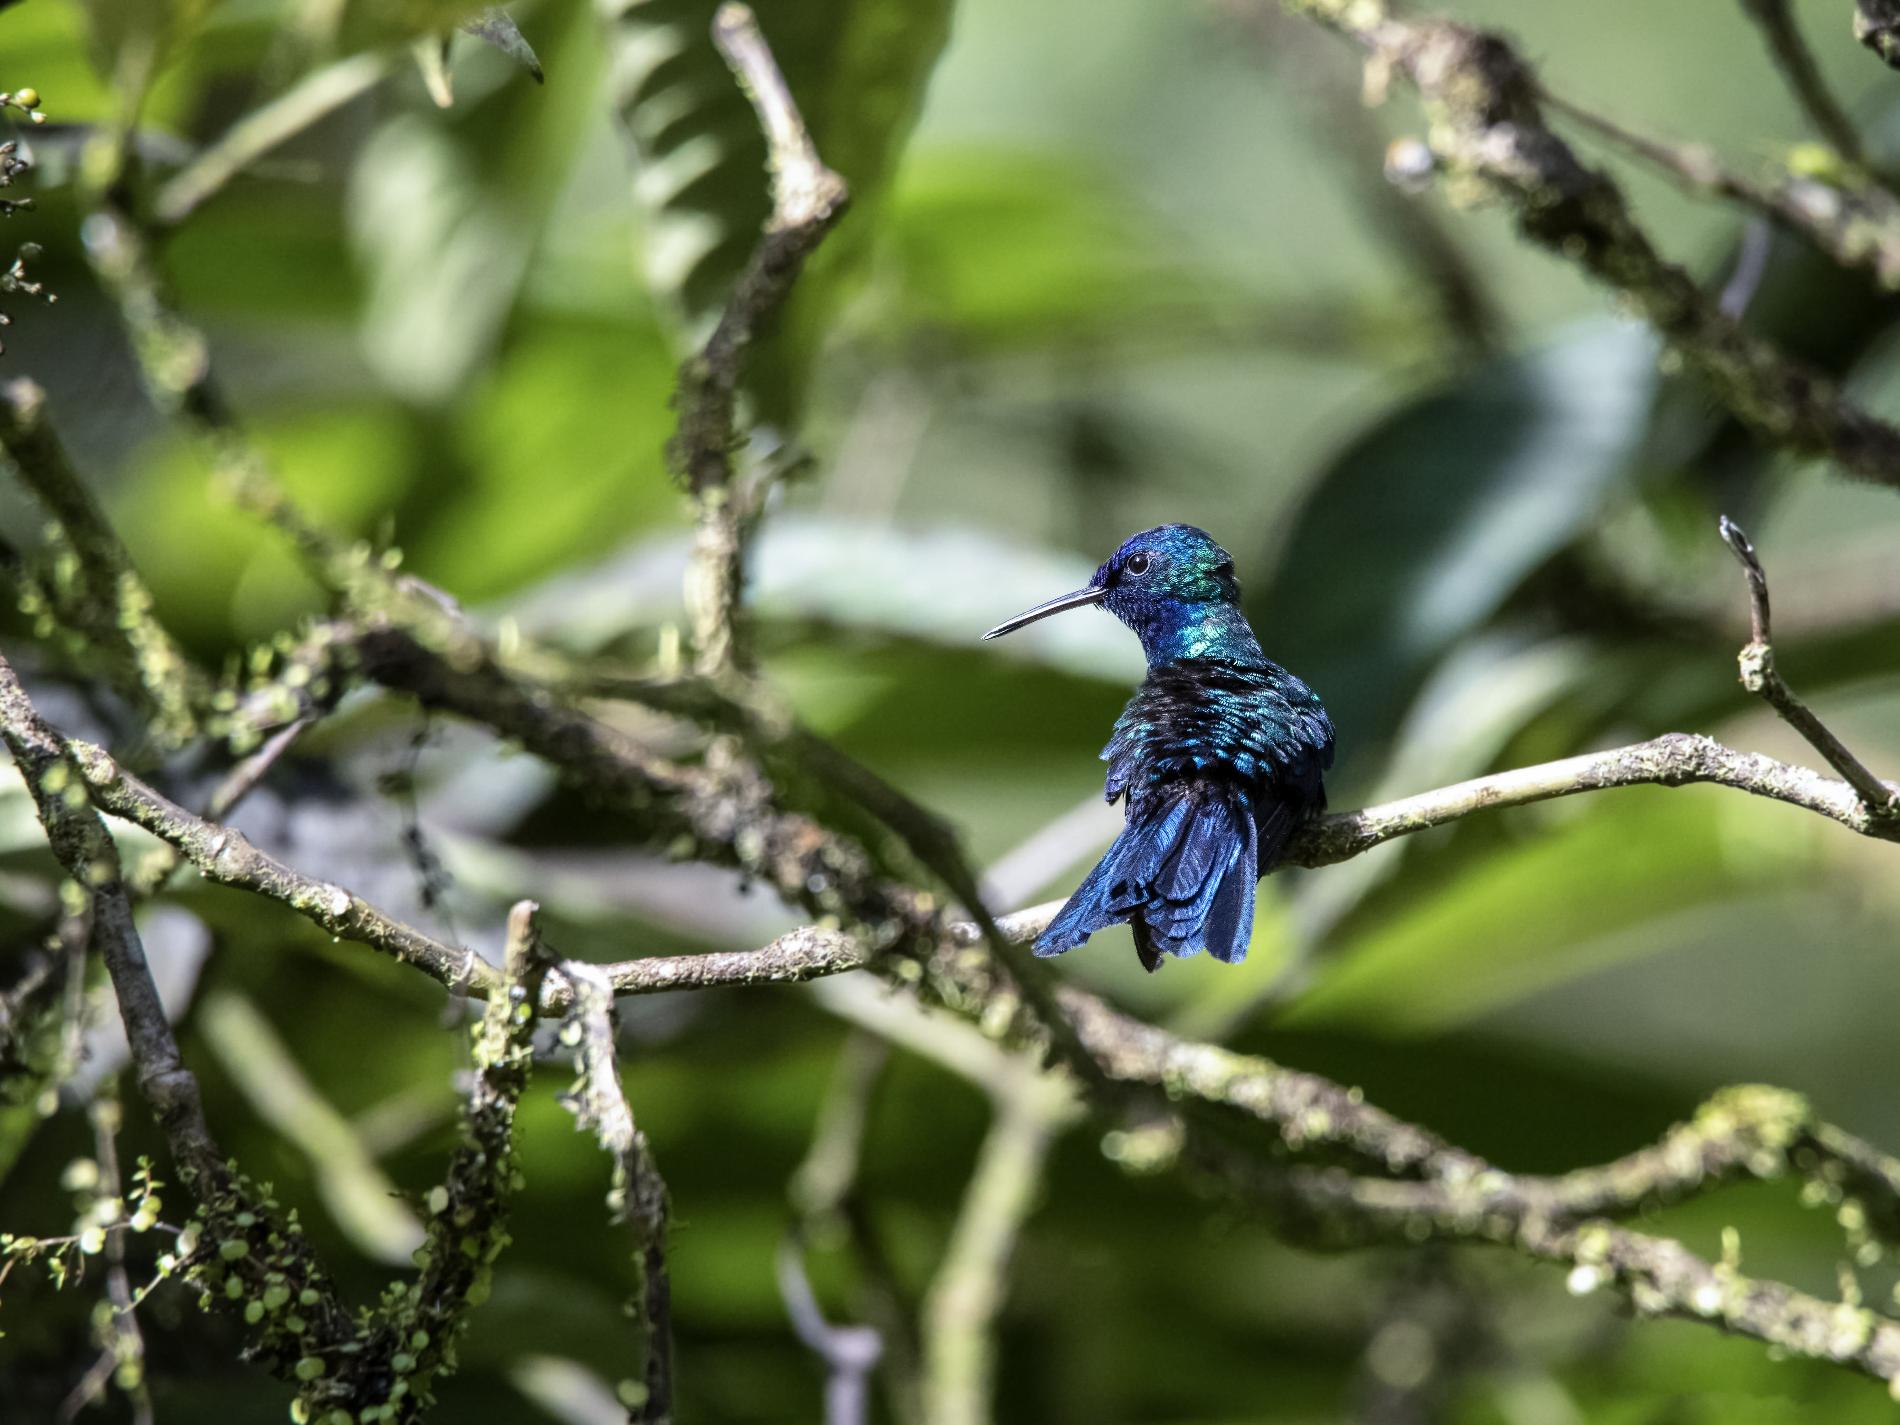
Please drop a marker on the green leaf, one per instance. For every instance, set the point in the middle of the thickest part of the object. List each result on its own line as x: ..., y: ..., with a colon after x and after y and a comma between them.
x: 857, y: 69
x: 1585, y: 890
x: 447, y: 212
x: 1420, y: 529
x: 998, y: 252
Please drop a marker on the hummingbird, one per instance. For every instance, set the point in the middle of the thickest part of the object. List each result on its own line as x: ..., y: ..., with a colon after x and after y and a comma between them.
x: 1218, y: 757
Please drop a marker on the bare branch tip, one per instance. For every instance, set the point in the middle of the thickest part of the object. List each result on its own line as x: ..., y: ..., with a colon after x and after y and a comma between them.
x: 1743, y: 549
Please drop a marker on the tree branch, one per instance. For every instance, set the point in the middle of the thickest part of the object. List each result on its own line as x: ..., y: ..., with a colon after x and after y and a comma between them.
x: 1877, y: 25
x: 1852, y: 220
x: 967, y: 1293
x: 1878, y: 799
x: 637, y: 1194
x: 1488, y: 132
x: 249, y: 1251
x: 807, y: 201
x: 227, y: 857
x: 288, y: 114
x: 1796, y: 63
x: 1329, y: 1208
x: 107, y: 602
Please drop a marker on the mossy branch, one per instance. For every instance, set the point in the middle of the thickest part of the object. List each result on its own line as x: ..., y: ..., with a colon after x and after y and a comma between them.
x: 97, y: 594
x: 411, y: 1340
x: 807, y: 201
x: 637, y: 1194
x: 1489, y: 135
x: 246, y: 1259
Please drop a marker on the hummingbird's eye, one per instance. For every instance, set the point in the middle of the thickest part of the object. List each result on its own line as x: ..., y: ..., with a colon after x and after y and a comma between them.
x: 1136, y: 565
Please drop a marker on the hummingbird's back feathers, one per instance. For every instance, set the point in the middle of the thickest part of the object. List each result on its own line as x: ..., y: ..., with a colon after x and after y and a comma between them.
x: 1245, y: 722
x: 1220, y: 755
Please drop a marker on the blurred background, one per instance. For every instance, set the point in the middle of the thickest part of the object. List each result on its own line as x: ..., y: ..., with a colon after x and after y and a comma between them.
x: 1111, y: 264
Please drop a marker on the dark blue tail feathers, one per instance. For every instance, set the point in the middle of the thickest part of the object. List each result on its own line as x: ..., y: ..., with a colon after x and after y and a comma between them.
x: 1182, y: 872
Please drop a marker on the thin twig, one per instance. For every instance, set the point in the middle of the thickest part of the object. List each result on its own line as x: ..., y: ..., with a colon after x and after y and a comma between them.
x: 122, y: 1351
x: 1761, y: 677
x: 1796, y: 63
x: 244, y: 777
x: 1853, y: 221
x: 827, y: 1202
x: 849, y: 1353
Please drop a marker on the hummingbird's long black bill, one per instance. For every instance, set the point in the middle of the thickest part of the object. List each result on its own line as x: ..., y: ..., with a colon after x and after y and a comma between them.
x: 1090, y: 595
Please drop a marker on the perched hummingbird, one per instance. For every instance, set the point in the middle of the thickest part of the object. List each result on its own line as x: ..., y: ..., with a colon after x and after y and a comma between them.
x: 1219, y: 753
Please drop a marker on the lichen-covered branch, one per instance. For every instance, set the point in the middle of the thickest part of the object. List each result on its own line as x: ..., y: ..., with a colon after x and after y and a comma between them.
x: 412, y: 1338
x: 97, y: 594
x: 1659, y: 1277
x: 1877, y: 25
x: 807, y: 201
x: 1676, y: 759
x: 637, y: 1194
x: 1489, y: 134
x: 226, y: 856
x: 1838, y: 208
x: 80, y: 843
x: 246, y: 1254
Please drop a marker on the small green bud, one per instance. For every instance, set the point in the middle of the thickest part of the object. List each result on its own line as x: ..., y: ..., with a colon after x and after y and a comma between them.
x: 309, y: 1368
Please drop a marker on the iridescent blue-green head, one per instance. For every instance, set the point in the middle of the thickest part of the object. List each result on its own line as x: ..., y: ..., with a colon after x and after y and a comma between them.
x: 1175, y: 588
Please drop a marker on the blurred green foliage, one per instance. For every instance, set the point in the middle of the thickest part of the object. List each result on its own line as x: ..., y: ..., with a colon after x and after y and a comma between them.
x: 1114, y: 277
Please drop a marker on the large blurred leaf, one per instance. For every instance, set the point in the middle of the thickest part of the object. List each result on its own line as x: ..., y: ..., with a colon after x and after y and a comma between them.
x: 591, y: 395
x: 1588, y: 888
x: 368, y: 23
x: 1421, y: 528
x: 999, y: 250
x: 446, y: 213
x: 858, y: 70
